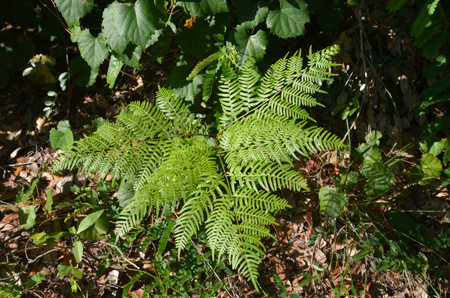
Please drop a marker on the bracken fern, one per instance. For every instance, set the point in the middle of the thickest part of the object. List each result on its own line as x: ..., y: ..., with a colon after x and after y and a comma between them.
x: 224, y: 181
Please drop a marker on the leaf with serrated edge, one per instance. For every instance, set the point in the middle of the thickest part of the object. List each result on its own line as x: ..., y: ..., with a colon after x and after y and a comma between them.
x: 204, y: 7
x: 113, y: 38
x: 289, y: 20
x: 138, y: 22
x: 92, y: 49
x: 73, y: 10
x: 253, y: 45
x: 250, y: 14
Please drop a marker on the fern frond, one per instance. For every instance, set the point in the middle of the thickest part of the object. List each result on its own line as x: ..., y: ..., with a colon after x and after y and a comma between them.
x: 284, y: 108
x: 221, y: 183
x: 152, y: 119
x: 254, y: 139
x: 306, y: 86
x: 195, y: 210
x: 423, y: 18
x: 297, y: 97
x: 174, y: 109
x: 270, y: 176
x: 248, y: 80
x: 229, y: 97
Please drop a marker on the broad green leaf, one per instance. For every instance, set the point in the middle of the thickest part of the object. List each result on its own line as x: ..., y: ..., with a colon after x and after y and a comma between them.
x: 75, y: 31
x: 74, y: 10
x: 27, y: 217
x: 115, y: 65
x: 381, y: 178
x: 34, y: 280
x: 250, y: 45
x: 89, y: 221
x: 138, y: 22
x: 94, y: 232
x: 49, y: 201
x: 39, y: 237
x: 93, y: 49
x: 379, y: 184
x: 60, y: 139
x: 202, y: 8
x: 250, y: 14
x: 347, y: 180
x: 437, y: 147
x: 373, y: 138
x: 24, y: 197
x: 431, y: 165
x: 125, y: 193
x: 78, y: 250
x: 64, y: 125
x: 110, y: 24
x: 161, y: 5
x: 290, y: 19
x: 75, y: 271
x: 370, y: 168
x: 331, y: 201
x: 64, y: 270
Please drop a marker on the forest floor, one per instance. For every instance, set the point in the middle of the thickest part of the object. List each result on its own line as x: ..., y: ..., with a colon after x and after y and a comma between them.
x: 318, y: 270
x: 307, y: 257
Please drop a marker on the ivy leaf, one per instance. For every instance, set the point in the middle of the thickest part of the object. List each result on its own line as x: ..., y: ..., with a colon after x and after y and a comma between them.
x: 204, y: 7
x: 73, y: 10
x: 253, y: 45
x: 93, y: 49
x: 290, y: 19
x: 113, y: 38
x: 250, y: 14
x: 331, y: 201
x: 137, y: 22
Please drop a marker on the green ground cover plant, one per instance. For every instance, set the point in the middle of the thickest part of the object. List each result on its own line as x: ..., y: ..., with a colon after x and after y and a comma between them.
x: 171, y: 161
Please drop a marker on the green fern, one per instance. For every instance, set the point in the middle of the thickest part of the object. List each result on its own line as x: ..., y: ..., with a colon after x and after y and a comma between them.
x: 224, y: 181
